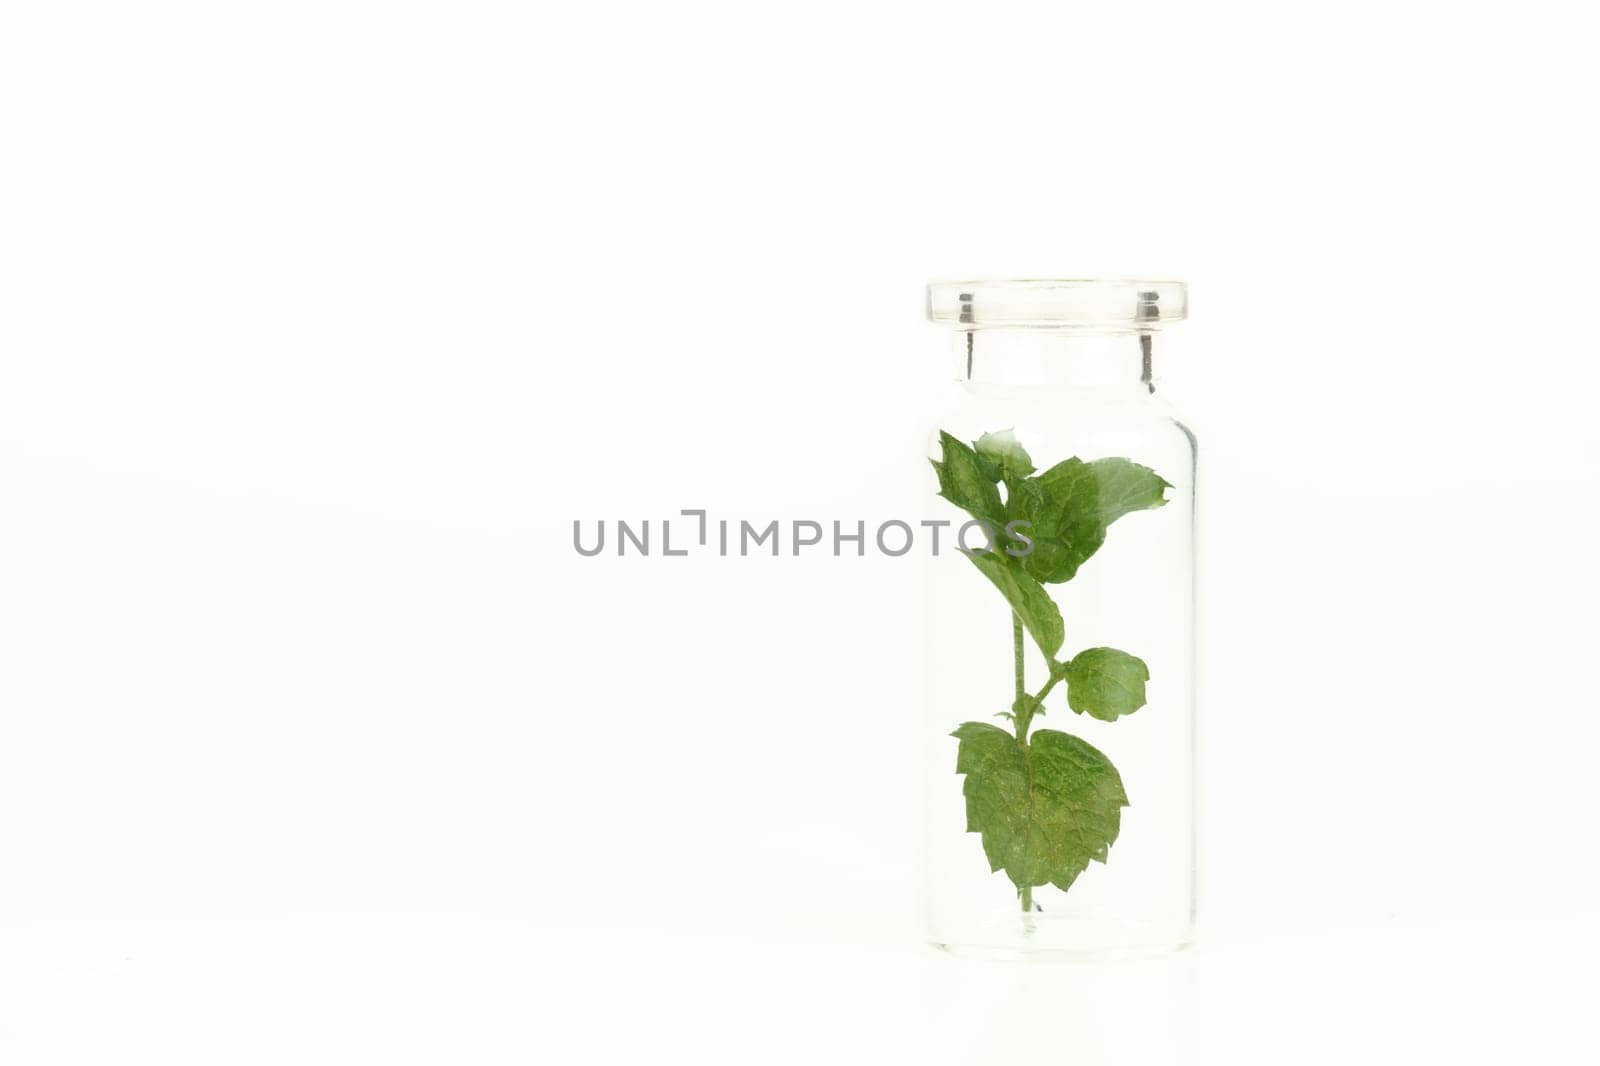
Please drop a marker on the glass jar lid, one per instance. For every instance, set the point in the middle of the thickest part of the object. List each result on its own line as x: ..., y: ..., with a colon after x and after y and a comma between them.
x: 1107, y: 303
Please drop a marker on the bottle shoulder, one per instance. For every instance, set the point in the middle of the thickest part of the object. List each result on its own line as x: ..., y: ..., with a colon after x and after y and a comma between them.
x: 1084, y: 422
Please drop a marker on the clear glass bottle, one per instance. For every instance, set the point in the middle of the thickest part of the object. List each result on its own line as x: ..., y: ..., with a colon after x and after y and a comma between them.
x: 1076, y: 628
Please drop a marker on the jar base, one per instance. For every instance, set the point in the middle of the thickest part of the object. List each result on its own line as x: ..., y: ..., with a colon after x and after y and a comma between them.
x: 1061, y: 938
x: 1060, y: 955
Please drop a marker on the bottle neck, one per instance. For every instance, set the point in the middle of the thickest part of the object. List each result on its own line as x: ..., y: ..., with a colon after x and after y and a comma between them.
x: 1058, y: 357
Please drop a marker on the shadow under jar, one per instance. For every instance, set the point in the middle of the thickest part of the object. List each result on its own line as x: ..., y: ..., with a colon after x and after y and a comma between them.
x: 1060, y: 711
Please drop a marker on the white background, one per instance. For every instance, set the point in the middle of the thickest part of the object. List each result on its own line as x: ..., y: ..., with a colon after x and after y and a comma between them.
x: 321, y: 322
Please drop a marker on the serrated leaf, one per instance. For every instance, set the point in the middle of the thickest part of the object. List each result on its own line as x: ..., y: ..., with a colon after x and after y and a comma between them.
x: 1125, y: 486
x: 962, y: 482
x: 1045, y: 808
x: 1070, y: 505
x: 1001, y: 457
x: 1039, y: 613
x: 1105, y: 683
x: 1063, y: 523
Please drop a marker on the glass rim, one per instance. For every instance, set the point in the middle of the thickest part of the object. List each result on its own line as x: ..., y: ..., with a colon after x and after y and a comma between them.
x: 1122, y: 303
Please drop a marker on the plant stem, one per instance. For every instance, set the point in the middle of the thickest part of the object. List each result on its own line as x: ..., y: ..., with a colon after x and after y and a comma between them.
x: 1021, y: 720
x: 1016, y: 660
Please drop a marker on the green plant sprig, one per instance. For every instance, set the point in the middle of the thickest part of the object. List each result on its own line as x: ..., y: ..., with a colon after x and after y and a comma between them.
x: 1046, y: 803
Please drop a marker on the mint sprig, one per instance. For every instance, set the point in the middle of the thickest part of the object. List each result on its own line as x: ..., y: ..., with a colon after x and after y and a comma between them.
x: 1046, y: 804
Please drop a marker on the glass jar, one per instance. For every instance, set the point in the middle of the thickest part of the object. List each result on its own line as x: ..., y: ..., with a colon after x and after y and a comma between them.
x: 1060, y: 731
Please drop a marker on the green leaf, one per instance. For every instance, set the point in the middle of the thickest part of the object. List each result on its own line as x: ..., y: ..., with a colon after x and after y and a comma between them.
x: 1125, y: 487
x: 1106, y: 683
x: 1001, y: 457
x: 1062, y: 520
x: 963, y: 483
x: 1045, y: 809
x: 1070, y: 505
x: 1039, y: 613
